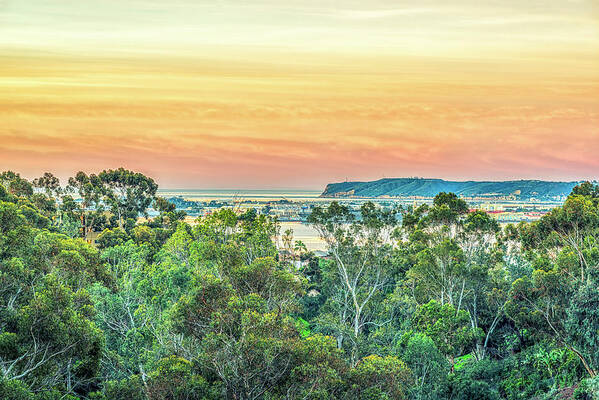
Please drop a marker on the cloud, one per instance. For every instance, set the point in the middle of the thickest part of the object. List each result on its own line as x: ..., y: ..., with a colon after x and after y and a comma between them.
x: 432, y: 140
x: 368, y: 14
x: 297, y: 93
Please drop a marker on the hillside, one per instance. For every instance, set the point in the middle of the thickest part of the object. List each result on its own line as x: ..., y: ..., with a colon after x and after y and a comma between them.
x: 524, y: 189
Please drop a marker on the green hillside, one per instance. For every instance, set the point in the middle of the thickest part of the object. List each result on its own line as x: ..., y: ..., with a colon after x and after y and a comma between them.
x: 430, y: 187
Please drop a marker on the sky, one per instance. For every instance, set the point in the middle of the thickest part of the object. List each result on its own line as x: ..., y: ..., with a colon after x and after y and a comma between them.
x: 297, y: 94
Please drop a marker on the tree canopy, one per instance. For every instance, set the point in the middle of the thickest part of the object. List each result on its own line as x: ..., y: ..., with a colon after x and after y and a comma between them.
x: 432, y: 302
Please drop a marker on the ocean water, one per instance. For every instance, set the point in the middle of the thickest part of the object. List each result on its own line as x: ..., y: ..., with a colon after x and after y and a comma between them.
x: 306, y: 233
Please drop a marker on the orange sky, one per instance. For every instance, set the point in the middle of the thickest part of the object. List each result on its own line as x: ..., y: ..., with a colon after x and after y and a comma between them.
x: 238, y: 96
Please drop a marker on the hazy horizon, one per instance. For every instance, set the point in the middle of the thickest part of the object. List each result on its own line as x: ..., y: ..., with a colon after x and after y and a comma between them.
x: 165, y: 186
x: 319, y: 189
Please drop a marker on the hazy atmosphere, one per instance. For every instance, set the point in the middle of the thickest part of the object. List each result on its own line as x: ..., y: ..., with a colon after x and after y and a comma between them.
x: 295, y: 94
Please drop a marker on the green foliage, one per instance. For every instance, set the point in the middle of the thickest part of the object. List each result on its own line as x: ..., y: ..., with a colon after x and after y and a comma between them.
x: 361, y: 273
x: 174, y: 379
x: 51, y: 336
x: 582, y: 323
x: 128, y: 193
x: 131, y: 388
x: 4, y: 195
x: 537, y: 370
x: 320, y: 371
x: 447, y: 208
x: 14, y: 390
x: 475, y: 381
x: 15, y: 184
x: 449, y: 329
x: 303, y: 327
x: 429, y: 367
x: 445, y: 305
x: 111, y: 238
x: 376, y: 377
x: 587, y: 390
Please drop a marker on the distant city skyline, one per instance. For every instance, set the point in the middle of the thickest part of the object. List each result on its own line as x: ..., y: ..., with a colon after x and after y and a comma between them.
x: 297, y: 94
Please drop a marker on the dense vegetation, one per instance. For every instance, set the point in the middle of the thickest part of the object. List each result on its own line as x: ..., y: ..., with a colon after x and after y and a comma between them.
x: 426, y: 303
x: 525, y: 189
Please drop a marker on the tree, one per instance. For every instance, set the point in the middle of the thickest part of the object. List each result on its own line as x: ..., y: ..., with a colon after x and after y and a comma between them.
x: 15, y: 184
x: 429, y: 367
x: 485, y: 287
x: 321, y: 371
x: 226, y: 238
x: 90, y: 209
x: 49, y: 183
x: 439, y: 273
x: 174, y: 379
x: 4, y: 195
x: 264, y: 277
x: 475, y: 381
x: 53, y: 342
x: 361, y: 252
x: 287, y: 239
x: 582, y: 323
x: 169, y: 216
x: 456, y: 259
x: 452, y: 201
x: 128, y: 193
x: 163, y: 205
x: 236, y: 318
x: 134, y: 315
x: 111, y: 238
x: 574, y: 225
x: 448, y: 207
x: 246, y: 341
x: 376, y: 377
x: 8, y: 176
x: 539, y: 304
x: 300, y: 248
x: 449, y: 329
x: 564, y: 247
x: 586, y: 189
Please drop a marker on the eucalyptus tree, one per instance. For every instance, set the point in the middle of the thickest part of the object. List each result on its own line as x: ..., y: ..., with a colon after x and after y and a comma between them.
x: 15, y: 184
x: 46, y: 334
x: 49, y: 184
x: 485, y: 285
x: 564, y: 248
x: 429, y: 367
x: 449, y: 329
x: 447, y: 213
x: 6, y: 177
x: 89, y: 210
x: 582, y: 322
x: 361, y: 252
x: 128, y: 193
x: 541, y: 304
x: 169, y: 217
x: 54, y: 343
x: 438, y: 273
x: 48, y: 191
x: 452, y: 256
x: 238, y: 327
x: 224, y: 238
